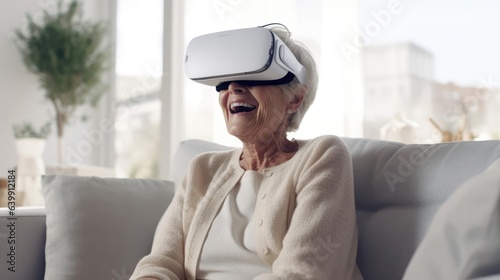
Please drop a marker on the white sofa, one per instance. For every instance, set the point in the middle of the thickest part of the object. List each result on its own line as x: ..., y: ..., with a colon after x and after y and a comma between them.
x: 94, y: 228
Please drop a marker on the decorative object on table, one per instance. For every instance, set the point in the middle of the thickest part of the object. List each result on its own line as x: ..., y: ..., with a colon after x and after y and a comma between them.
x: 448, y: 135
x: 67, y: 55
x: 400, y: 129
x: 30, y: 144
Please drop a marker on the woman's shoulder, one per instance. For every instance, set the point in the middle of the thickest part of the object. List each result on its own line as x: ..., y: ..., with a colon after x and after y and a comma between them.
x: 327, y: 139
x: 323, y: 143
x: 328, y: 148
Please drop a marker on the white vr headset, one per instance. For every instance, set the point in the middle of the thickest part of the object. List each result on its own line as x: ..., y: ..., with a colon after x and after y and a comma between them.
x: 249, y: 56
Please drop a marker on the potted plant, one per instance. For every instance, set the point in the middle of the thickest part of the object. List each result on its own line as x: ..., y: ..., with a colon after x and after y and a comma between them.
x: 67, y: 55
x: 27, y: 130
x: 30, y: 143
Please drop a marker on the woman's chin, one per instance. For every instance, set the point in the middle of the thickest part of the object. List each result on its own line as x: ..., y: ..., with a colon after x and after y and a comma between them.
x: 243, y: 133
x: 238, y: 133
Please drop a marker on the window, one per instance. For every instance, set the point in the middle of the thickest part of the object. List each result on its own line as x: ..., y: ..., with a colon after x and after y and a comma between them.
x: 139, y: 56
x: 377, y: 59
x: 444, y: 65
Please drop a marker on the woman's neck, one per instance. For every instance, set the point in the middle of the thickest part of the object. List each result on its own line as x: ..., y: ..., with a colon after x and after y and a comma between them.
x: 261, y: 155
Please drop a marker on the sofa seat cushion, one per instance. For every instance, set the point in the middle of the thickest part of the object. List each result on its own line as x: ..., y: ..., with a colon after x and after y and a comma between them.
x: 100, y: 228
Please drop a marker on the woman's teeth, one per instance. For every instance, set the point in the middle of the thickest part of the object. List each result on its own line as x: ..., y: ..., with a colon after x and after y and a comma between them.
x: 239, y: 107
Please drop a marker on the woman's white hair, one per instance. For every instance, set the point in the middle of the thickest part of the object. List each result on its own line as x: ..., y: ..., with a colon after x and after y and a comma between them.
x: 291, y: 89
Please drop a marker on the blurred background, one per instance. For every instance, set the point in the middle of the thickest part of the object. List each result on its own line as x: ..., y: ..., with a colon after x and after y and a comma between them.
x: 410, y: 71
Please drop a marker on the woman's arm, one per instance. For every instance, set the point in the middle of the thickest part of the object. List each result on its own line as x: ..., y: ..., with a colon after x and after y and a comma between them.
x: 321, y: 241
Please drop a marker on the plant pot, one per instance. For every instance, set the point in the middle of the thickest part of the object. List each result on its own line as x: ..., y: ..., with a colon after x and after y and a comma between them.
x: 30, y: 169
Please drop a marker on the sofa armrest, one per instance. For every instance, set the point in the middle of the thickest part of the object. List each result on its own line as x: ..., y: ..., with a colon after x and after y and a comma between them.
x: 22, y: 243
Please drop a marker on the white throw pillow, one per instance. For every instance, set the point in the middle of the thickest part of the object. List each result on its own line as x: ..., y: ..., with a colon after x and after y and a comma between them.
x: 463, y: 240
x: 100, y: 228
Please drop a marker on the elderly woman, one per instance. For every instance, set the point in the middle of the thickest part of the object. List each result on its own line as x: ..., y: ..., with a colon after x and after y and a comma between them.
x: 274, y: 209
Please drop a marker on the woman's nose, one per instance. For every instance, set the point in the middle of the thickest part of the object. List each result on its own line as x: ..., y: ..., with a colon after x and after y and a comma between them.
x: 234, y: 87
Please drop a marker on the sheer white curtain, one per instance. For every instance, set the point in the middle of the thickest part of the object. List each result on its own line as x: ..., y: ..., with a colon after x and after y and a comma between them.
x: 321, y: 25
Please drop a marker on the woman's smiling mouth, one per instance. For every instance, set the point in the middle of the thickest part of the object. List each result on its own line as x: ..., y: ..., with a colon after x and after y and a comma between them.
x: 241, y: 107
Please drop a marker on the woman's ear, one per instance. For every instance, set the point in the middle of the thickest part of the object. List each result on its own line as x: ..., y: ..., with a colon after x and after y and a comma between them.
x: 298, y: 99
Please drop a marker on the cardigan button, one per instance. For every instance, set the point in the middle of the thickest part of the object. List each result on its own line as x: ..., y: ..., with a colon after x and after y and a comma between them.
x: 260, y: 222
x: 264, y: 250
x: 268, y: 173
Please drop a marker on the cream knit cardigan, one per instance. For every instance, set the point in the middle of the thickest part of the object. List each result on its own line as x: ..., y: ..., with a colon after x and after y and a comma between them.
x: 305, y: 210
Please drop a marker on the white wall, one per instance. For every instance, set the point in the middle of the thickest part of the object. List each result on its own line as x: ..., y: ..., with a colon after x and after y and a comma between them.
x: 21, y: 99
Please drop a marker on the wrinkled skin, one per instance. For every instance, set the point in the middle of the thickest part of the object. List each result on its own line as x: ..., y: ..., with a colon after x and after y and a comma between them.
x: 260, y: 123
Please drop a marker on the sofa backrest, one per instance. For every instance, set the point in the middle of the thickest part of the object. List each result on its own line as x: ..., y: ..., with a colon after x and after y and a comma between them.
x: 187, y: 151
x: 398, y: 189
